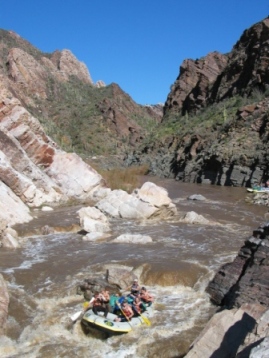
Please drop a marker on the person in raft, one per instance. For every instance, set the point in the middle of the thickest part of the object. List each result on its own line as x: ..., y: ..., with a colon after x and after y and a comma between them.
x: 138, y: 306
x: 146, y: 297
x: 105, y: 295
x: 127, y: 312
x: 98, y: 304
x: 134, y: 288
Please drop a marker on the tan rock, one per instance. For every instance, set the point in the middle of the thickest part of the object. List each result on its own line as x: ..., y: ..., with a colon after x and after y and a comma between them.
x: 4, y: 302
x: 12, y: 209
x: 69, y: 65
x: 193, y: 218
x: 93, y: 220
x: 222, y: 335
x: 148, y: 202
x: 133, y: 239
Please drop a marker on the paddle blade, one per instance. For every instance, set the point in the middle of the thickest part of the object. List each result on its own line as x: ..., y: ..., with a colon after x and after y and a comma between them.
x: 76, y: 315
x: 146, y: 320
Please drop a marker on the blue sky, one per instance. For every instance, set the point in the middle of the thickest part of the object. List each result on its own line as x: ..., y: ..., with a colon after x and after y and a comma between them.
x: 137, y: 44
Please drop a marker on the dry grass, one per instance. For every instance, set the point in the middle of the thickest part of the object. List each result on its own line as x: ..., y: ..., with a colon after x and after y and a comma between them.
x: 126, y: 179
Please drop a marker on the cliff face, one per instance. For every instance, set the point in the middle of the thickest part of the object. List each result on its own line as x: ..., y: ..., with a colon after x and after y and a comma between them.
x: 245, y: 280
x: 215, y: 125
x: 58, y: 90
x: 191, y: 89
x: 241, y: 328
x: 216, y: 76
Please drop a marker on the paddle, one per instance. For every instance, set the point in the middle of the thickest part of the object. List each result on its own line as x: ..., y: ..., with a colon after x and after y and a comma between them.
x: 145, y: 319
x: 77, y: 314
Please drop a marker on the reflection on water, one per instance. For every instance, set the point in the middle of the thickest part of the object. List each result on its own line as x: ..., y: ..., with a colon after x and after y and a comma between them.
x: 42, y: 277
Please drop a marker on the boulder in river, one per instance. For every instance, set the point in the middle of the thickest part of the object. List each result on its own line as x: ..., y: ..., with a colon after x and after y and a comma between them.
x: 133, y: 239
x: 93, y: 220
x: 151, y: 201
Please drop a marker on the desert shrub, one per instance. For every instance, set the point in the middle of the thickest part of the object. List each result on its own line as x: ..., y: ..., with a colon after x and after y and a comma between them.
x: 123, y: 178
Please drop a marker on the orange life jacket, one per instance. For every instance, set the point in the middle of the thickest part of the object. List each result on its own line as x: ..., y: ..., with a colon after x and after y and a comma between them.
x: 145, y: 296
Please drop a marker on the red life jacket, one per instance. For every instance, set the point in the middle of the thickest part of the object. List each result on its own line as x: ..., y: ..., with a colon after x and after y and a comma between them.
x: 127, y: 310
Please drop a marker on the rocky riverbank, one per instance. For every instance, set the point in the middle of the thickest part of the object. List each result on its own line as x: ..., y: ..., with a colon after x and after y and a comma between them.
x: 240, y: 289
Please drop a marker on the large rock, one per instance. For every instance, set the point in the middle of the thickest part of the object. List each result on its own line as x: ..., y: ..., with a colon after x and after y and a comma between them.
x: 93, y: 220
x: 191, y: 88
x: 12, y: 209
x: 32, y: 165
x: 228, y: 333
x: 192, y: 217
x: 9, y: 238
x: 4, y: 302
x: 75, y: 178
x: 245, y: 280
x: 151, y: 201
x: 29, y: 74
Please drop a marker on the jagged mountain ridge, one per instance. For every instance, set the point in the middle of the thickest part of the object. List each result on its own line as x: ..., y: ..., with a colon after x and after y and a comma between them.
x: 215, y: 124
x: 58, y: 90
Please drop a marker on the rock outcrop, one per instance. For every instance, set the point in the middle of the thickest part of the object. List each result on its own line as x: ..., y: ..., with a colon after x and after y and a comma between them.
x: 92, y: 219
x: 33, y: 167
x: 4, y: 302
x: 216, y: 76
x: 245, y: 280
x: 216, y: 115
x: 191, y: 89
x: 232, y: 333
x: 148, y: 202
x: 241, y: 328
x: 57, y: 89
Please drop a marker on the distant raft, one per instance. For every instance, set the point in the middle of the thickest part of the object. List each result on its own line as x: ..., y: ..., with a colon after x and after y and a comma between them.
x: 108, y: 325
x: 258, y: 189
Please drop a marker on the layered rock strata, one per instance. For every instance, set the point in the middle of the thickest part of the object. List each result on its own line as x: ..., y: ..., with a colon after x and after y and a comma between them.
x: 33, y: 167
x: 246, y: 279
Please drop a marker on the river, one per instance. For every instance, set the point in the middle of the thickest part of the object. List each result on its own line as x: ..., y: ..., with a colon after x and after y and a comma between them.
x: 42, y: 277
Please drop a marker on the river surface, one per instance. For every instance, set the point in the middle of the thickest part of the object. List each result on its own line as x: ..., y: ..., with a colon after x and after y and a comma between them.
x: 43, y: 275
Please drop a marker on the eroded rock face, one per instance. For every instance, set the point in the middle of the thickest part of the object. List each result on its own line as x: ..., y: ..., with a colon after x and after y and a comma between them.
x: 29, y: 75
x: 69, y: 65
x: 148, y: 202
x: 230, y: 333
x: 216, y: 76
x: 4, y: 302
x: 12, y: 208
x: 248, y: 63
x: 33, y: 167
x: 245, y: 280
x: 191, y: 89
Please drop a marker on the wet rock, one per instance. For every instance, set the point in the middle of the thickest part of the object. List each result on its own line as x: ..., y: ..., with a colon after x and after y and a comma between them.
x: 47, y: 230
x: 4, y: 302
x: 193, y: 218
x: 198, y: 197
x: 9, y: 238
x: 93, y: 220
x: 134, y: 239
x: 245, y: 280
x: 116, y: 277
x: 95, y: 236
x: 148, y: 202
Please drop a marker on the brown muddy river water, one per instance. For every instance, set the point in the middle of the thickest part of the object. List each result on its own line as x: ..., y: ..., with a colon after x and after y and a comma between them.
x: 42, y: 277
